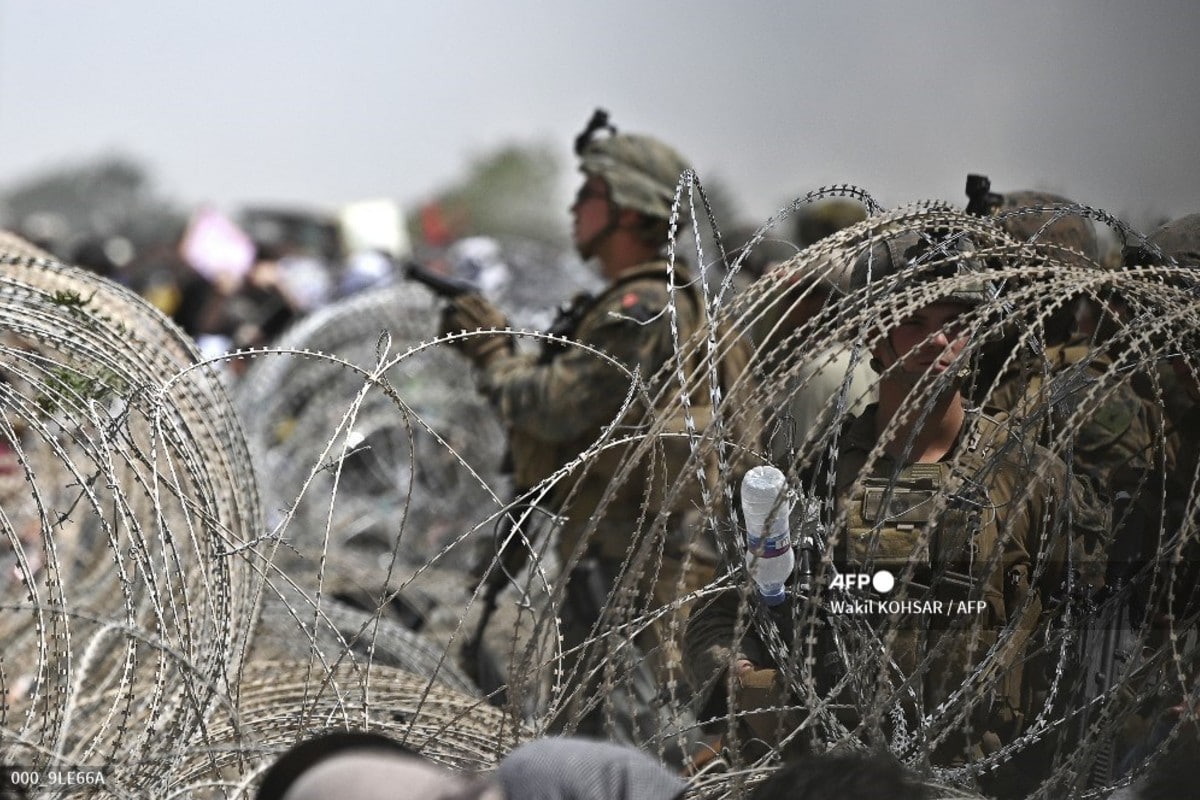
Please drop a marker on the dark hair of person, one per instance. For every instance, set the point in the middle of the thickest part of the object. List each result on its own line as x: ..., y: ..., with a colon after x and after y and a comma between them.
x: 846, y: 776
x: 1174, y: 776
x: 302, y: 757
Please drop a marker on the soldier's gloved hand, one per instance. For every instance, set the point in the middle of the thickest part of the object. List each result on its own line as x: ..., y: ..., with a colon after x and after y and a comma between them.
x: 470, y: 312
x: 763, y: 702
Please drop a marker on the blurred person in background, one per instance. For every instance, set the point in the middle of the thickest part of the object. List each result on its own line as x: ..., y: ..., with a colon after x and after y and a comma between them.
x: 366, y: 269
x: 261, y: 309
x: 106, y: 256
x: 354, y: 765
x: 569, y: 768
x: 825, y: 217
x: 822, y: 371
x: 304, y: 279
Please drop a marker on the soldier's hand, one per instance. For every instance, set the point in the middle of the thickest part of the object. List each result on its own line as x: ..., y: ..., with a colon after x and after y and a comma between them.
x: 469, y: 312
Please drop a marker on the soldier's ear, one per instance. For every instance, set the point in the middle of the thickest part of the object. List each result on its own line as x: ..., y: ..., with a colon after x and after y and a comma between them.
x: 881, y: 347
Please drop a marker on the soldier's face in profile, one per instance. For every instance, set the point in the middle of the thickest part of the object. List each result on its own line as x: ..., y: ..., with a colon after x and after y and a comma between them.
x: 931, y: 338
x: 590, y: 211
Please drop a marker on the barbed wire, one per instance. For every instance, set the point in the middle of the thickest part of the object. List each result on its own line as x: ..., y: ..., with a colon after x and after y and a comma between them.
x: 159, y: 623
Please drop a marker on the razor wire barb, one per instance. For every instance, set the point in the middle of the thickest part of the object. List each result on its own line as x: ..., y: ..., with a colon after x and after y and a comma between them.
x: 204, y: 572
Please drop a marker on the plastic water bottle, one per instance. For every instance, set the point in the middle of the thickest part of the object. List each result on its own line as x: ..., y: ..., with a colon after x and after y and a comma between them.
x: 769, y: 555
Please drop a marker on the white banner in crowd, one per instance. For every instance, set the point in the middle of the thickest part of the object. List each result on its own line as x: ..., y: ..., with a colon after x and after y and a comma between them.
x: 216, y: 247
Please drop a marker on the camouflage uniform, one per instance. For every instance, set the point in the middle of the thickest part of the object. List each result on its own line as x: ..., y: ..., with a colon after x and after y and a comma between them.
x: 556, y: 410
x: 1181, y: 587
x: 1114, y: 444
x: 979, y: 528
x: 1069, y: 395
x: 1066, y: 237
x: 1171, y: 400
x: 622, y: 505
x: 1070, y: 230
x: 998, y: 521
x: 815, y: 380
x: 1164, y: 393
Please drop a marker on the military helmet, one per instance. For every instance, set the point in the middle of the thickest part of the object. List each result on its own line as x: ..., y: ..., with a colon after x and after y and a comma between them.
x: 641, y: 171
x: 1178, y: 239
x: 1069, y: 230
x: 826, y: 217
x: 930, y: 254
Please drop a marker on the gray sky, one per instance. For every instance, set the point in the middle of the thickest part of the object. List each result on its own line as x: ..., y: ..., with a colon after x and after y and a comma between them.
x: 318, y: 103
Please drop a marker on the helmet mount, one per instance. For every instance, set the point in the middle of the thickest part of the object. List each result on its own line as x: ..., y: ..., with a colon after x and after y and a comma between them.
x: 598, y: 122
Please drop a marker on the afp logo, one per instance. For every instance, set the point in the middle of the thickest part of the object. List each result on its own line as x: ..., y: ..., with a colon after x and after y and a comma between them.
x: 881, y: 581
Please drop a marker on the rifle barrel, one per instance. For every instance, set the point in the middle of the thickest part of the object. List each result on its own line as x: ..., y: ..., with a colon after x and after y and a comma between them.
x: 441, y: 285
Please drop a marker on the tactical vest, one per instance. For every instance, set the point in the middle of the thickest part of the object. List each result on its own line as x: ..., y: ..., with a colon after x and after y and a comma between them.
x: 533, y: 459
x: 654, y: 484
x: 934, y: 528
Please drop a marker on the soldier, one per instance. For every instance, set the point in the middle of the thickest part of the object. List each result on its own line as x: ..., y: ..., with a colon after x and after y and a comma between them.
x: 1064, y: 235
x: 1174, y: 396
x: 971, y: 523
x: 821, y: 369
x: 559, y: 404
x: 826, y: 217
x: 1068, y: 382
x: 1177, y: 243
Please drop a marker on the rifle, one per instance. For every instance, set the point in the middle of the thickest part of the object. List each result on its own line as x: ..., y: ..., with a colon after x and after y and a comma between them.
x: 441, y: 285
x: 511, y: 555
x: 1106, y: 652
x: 566, y: 320
x: 513, y: 551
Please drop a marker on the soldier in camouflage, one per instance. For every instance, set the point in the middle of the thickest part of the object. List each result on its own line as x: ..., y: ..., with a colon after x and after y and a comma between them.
x: 942, y: 496
x: 821, y: 365
x: 1112, y: 442
x: 1166, y: 573
x: 558, y: 405
x: 1178, y: 243
x: 1067, y: 236
x: 1174, y: 398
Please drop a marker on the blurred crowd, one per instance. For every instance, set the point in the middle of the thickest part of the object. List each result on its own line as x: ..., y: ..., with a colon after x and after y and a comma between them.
x: 239, y: 285
x: 235, y: 285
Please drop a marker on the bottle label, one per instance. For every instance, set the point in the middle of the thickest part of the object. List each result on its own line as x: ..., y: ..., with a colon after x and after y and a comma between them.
x: 769, y: 548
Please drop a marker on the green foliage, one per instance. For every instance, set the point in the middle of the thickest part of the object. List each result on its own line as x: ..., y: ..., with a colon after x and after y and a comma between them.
x: 107, y: 196
x: 67, y: 386
x: 71, y: 300
x: 510, y: 191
